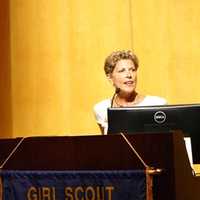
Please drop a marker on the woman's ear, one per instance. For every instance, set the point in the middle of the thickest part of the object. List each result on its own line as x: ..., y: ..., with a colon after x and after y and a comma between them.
x: 109, y: 77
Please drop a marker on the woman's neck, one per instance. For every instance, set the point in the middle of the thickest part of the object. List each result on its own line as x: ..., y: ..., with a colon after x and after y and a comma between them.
x: 124, y: 97
x: 126, y: 100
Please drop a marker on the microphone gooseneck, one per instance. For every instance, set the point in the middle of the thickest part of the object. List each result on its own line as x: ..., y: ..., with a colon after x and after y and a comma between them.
x: 117, y: 90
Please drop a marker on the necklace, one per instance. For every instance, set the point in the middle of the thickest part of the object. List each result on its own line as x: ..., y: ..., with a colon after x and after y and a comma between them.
x: 118, y: 105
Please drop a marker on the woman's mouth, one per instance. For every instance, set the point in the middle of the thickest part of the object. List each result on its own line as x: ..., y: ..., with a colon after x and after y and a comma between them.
x: 128, y: 83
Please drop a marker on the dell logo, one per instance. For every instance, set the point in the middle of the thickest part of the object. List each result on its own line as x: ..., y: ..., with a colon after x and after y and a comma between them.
x: 159, y: 117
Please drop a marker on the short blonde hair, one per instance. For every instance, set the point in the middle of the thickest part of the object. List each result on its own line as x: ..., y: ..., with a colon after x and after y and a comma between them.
x: 116, y: 56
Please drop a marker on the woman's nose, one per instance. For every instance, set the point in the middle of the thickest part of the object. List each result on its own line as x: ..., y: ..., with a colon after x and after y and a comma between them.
x: 128, y: 74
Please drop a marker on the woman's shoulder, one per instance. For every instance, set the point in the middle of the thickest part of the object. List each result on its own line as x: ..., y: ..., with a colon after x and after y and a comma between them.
x: 102, y: 104
x: 154, y: 100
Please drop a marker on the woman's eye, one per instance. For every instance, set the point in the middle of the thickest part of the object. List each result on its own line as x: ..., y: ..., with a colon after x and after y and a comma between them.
x: 121, y: 70
x: 132, y: 69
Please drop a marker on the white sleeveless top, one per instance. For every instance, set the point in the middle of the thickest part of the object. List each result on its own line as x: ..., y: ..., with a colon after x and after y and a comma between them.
x: 100, y: 109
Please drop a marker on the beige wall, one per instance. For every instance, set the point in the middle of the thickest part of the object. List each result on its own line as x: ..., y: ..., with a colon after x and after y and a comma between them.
x: 40, y: 54
x: 58, y: 49
x: 166, y: 36
x: 57, y: 56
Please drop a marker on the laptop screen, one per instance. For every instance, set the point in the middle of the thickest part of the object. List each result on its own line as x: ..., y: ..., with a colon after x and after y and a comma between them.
x: 164, y: 118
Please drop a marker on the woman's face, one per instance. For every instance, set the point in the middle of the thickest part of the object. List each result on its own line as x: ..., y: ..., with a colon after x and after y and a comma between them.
x: 124, y: 76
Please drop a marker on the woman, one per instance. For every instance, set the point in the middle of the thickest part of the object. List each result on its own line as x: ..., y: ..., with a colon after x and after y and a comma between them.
x: 121, y: 70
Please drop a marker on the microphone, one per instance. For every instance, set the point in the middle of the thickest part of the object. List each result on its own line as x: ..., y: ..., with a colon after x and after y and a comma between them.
x: 117, y: 90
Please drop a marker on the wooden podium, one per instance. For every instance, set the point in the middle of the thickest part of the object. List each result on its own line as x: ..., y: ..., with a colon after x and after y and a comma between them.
x: 165, y: 151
